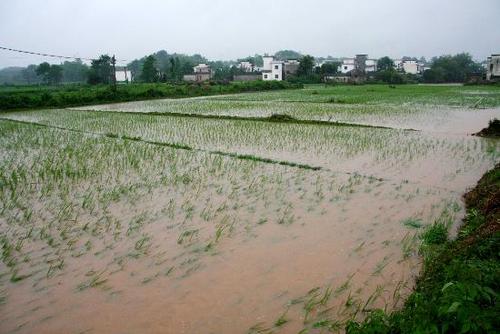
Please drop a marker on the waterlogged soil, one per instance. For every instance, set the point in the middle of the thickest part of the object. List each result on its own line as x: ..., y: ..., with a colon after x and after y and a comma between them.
x: 447, y: 160
x: 446, y: 119
x: 107, y: 235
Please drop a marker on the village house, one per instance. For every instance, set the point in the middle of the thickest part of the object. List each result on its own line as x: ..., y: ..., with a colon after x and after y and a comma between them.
x: 360, y: 62
x: 122, y: 74
x: 246, y: 66
x: 493, y: 68
x: 201, y: 73
x: 278, y: 70
x: 409, y: 66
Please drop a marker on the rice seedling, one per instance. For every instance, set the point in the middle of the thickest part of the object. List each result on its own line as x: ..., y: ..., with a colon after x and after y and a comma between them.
x: 154, y: 195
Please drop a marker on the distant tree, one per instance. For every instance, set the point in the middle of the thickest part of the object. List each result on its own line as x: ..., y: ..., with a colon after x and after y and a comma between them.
x: 385, y: 63
x: 175, y: 69
x: 29, y: 74
x: 149, y: 71
x: 100, y: 71
x: 329, y: 68
x: 50, y: 74
x: 390, y: 76
x: 256, y: 60
x: 43, y: 71
x: 171, y: 67
x: 287, y: 54
x: 306, y: 66
x: 452, y: 68
x: 55, y: 74
x: 74, y: 71
x: 435, y: 75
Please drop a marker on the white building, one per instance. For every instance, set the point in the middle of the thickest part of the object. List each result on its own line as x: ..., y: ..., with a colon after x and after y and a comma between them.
x: 277, y: 69
x: 410, y: 66
x: 274, y: 71
x: 246, y: 66
x: 349, y: 64
x: 371, y: 65
x: 493, y: 67
x: 202, y: 72
x: 123, y: 75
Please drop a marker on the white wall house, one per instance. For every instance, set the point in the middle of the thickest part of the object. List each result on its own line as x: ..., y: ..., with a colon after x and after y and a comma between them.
x: 246, y: 66
x: 123, y: 75
x: 349, y: 64
x: 267, y: 60
x: 202, y: 72
x: 410, y: 67
x: 493, y: 67
x: 371, y: 65
x: 275, y: 73
x: 277, y: 69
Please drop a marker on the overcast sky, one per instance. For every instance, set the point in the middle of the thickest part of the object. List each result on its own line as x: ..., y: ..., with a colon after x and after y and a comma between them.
x: 230, y: 29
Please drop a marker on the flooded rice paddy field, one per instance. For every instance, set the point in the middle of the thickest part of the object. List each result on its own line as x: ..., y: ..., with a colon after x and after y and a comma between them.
x: 449, y: 109
x: 124, y: 223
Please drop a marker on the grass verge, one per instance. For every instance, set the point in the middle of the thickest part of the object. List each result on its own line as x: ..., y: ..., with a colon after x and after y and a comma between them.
x: 458, y: 289
x: 31, y: 97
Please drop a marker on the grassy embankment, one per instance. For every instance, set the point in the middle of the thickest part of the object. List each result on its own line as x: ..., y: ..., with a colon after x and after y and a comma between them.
x: 25, y: 97
x: 458, y: 289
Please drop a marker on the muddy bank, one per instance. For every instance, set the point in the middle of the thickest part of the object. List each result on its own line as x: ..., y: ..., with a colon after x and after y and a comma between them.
x: 458, y: 290
x: 492, y: 131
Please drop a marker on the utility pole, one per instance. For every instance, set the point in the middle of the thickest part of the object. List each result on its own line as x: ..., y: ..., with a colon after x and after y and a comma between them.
x: 113, y: 76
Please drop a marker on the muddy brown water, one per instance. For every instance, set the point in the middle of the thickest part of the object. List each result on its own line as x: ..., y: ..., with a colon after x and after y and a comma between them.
x: 349, y: 235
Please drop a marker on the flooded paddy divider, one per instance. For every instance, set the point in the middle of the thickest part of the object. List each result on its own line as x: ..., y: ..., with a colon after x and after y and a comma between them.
x: 101, y: 233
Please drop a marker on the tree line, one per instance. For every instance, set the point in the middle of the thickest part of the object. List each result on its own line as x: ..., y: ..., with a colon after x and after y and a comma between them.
x: 164, y: 67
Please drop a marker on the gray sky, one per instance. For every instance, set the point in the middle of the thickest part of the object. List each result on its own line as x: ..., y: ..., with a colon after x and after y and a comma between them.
x: 230, y: 29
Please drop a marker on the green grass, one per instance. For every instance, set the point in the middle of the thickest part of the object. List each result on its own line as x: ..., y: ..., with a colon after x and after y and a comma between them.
x: 458, y: 289
x: 29, y: 97
x: 463, y: 96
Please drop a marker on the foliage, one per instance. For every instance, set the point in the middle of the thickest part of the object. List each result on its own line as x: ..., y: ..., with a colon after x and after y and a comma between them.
x: 287, y: 54
x: 171, y: 67
x: 74, y: 71
x: 329, y: 68
x: 50, y: 74
x: 256, y: 60
x: 149, y: 72
x: 451, y: 68
x: 306, y: 66
x: 385, y: 63
x: 29, y: 74
x: 101, y: 71
x: 75, y: 95
x: 458, y: 291
x: 390, y: 76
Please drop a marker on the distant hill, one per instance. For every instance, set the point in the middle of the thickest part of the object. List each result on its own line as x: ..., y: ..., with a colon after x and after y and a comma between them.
x: 287, y: 54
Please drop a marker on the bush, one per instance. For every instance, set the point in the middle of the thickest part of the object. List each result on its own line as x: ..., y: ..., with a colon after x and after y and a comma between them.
x: 76, y: 95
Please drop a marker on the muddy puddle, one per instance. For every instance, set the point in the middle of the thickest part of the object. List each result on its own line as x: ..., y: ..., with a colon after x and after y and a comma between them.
x: 151, y: 239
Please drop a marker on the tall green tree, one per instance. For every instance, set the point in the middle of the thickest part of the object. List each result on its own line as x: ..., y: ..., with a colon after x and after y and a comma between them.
x: 306, y: 66
x: 329, y: 68
x: 29, y: 74
x: 385, y: 63
x: 50, y: 74
x: 101, y: 71
x: 55, y: 74
x: 74, y: 71
x: 452, y: 68
x: 149, y: 71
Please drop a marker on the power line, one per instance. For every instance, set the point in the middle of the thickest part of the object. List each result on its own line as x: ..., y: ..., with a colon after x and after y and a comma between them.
x: 51, y: 55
